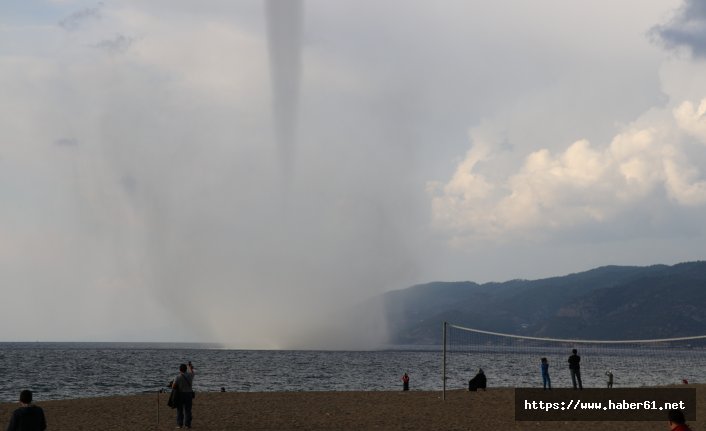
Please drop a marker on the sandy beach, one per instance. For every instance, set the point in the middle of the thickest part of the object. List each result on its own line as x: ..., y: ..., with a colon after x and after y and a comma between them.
x: 414, y: 410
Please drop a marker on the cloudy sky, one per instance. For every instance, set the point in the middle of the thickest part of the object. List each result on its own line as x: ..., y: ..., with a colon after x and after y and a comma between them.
x: 241, y: 171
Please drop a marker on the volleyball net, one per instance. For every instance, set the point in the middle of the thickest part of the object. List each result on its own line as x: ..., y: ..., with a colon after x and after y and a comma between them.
x: 509, y: 360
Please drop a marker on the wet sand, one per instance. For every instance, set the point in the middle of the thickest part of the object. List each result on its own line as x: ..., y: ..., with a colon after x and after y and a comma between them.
x: 414, y: 410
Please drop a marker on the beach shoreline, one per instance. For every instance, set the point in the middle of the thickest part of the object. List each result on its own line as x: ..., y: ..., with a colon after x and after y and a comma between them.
x: 374, y: 410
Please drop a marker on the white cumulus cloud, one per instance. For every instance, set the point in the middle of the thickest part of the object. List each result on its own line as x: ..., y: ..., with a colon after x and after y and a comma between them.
x: 692, y: 119
x: 582, y: 185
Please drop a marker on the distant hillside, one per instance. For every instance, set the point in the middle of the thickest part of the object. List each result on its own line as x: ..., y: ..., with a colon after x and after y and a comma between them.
x: 611, y: 302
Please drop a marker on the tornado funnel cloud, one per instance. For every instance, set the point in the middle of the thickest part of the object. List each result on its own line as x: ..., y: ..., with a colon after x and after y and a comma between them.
x: 284, y: 26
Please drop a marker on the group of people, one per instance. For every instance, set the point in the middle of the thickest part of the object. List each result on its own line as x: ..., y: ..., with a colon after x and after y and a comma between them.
x: 574, y: 370
x: 477, y: 382
x: 30, y: 417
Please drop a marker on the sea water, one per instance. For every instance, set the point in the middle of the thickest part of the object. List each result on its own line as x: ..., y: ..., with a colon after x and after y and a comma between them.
x: 77, y: 370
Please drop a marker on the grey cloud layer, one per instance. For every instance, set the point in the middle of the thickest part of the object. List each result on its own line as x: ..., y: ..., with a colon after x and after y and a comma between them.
x: 686, y: 29
x: 152, y: 199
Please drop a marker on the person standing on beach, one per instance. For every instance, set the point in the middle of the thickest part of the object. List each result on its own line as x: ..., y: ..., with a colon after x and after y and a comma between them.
x: 545, y: 374
x: 405, y: 382
x: 575, y: 368
x: 28, y: 417
x: 182, y: 383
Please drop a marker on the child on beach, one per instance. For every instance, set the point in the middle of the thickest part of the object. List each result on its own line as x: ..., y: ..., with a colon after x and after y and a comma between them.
x: 609, y: 374
x: 405, y: 382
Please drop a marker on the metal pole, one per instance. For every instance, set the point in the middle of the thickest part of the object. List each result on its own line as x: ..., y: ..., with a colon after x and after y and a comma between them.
x: 157, y: 408
x: 443, y: 368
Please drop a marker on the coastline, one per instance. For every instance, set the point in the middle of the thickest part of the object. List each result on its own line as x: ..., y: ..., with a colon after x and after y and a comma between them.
x: 374, y: 410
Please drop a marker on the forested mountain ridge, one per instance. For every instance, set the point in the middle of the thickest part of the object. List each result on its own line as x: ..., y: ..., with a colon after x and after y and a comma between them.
x: 610, y: 302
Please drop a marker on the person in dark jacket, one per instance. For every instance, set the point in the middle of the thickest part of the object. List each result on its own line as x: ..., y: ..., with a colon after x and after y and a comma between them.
x: 182, y: 384
x: 575, y: 368
x: 477, y: 382
x: 27, y: 417
x: 405, y: 382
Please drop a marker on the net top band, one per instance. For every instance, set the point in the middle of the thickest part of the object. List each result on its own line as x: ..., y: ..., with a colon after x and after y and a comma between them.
x: 564, y: 340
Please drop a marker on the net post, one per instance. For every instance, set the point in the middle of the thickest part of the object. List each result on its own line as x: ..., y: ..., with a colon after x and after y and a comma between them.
x: 443, y: 367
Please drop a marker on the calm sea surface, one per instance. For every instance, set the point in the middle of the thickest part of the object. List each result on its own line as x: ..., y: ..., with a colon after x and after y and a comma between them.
x: 75, y: 370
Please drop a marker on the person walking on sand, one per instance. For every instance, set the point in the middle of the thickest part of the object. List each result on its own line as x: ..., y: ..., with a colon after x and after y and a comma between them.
x: 547, y: 382
x: 182, y: 383
x: 27, y: 417
x: 575, y: 368
x: 676, y: 420
x: 405, y: 382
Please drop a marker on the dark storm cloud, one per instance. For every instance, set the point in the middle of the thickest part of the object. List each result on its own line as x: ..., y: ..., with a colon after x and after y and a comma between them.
x: 686, y: 29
